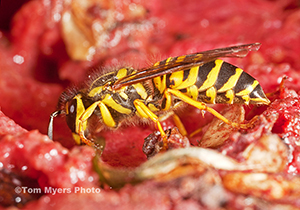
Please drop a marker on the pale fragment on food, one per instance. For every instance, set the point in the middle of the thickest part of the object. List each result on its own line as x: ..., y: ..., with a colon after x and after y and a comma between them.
x: 77, y: 45
x: 91, y: 27
x: 218, y: 131
x: 82, y: 31
x: 263, y: 185
x: 164, y: 163
x: 269, y: 152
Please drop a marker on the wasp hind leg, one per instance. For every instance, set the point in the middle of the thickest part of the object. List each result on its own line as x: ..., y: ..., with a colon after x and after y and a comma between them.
x: 202, y: 106
x: 179, y: 125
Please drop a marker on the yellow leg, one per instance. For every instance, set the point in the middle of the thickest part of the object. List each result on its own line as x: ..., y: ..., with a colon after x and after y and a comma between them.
x: 81, y: 131
x: 82, y: 136
x: 179, y: 125
x: 202, y: 106
x: 195, y: 132
x: 144, y: 111
x: 81, y: 126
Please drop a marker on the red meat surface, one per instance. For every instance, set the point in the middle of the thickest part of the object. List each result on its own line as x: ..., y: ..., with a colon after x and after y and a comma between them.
x: 36, y: 66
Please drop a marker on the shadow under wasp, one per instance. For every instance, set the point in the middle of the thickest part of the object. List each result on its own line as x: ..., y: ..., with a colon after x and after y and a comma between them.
x: 198, y: 79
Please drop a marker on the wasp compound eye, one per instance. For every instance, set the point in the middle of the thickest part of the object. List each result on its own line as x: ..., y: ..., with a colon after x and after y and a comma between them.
x: 71, y: 114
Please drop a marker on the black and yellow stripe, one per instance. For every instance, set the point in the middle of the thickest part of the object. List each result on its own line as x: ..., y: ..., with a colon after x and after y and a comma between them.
x: 213, y: 82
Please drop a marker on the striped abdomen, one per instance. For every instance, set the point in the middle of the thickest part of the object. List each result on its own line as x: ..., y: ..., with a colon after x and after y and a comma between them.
x: 214, y: 82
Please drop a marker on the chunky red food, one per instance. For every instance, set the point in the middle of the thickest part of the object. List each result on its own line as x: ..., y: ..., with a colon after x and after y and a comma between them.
x: 56, y: 43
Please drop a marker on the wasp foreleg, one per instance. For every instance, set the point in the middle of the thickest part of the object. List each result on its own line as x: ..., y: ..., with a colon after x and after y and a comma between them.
x: 82, y: 121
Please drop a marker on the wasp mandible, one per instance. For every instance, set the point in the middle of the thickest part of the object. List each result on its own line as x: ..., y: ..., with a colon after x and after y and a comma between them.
x: 114, y: 98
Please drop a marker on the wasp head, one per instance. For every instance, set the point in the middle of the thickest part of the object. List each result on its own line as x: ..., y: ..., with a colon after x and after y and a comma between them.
x: 68, y: 106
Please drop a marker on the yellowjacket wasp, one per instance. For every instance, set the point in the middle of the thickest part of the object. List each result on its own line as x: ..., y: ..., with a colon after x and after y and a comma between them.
x: 108, y: 100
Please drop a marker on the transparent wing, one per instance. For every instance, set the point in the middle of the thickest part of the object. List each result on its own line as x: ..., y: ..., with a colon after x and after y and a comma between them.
x: 184, y: 62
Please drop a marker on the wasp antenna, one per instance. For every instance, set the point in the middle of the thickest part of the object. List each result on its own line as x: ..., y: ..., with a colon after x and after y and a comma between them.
x: 50, y: 127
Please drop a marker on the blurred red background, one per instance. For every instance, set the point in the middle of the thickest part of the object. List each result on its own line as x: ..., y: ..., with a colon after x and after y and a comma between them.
x: 7, y: 11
